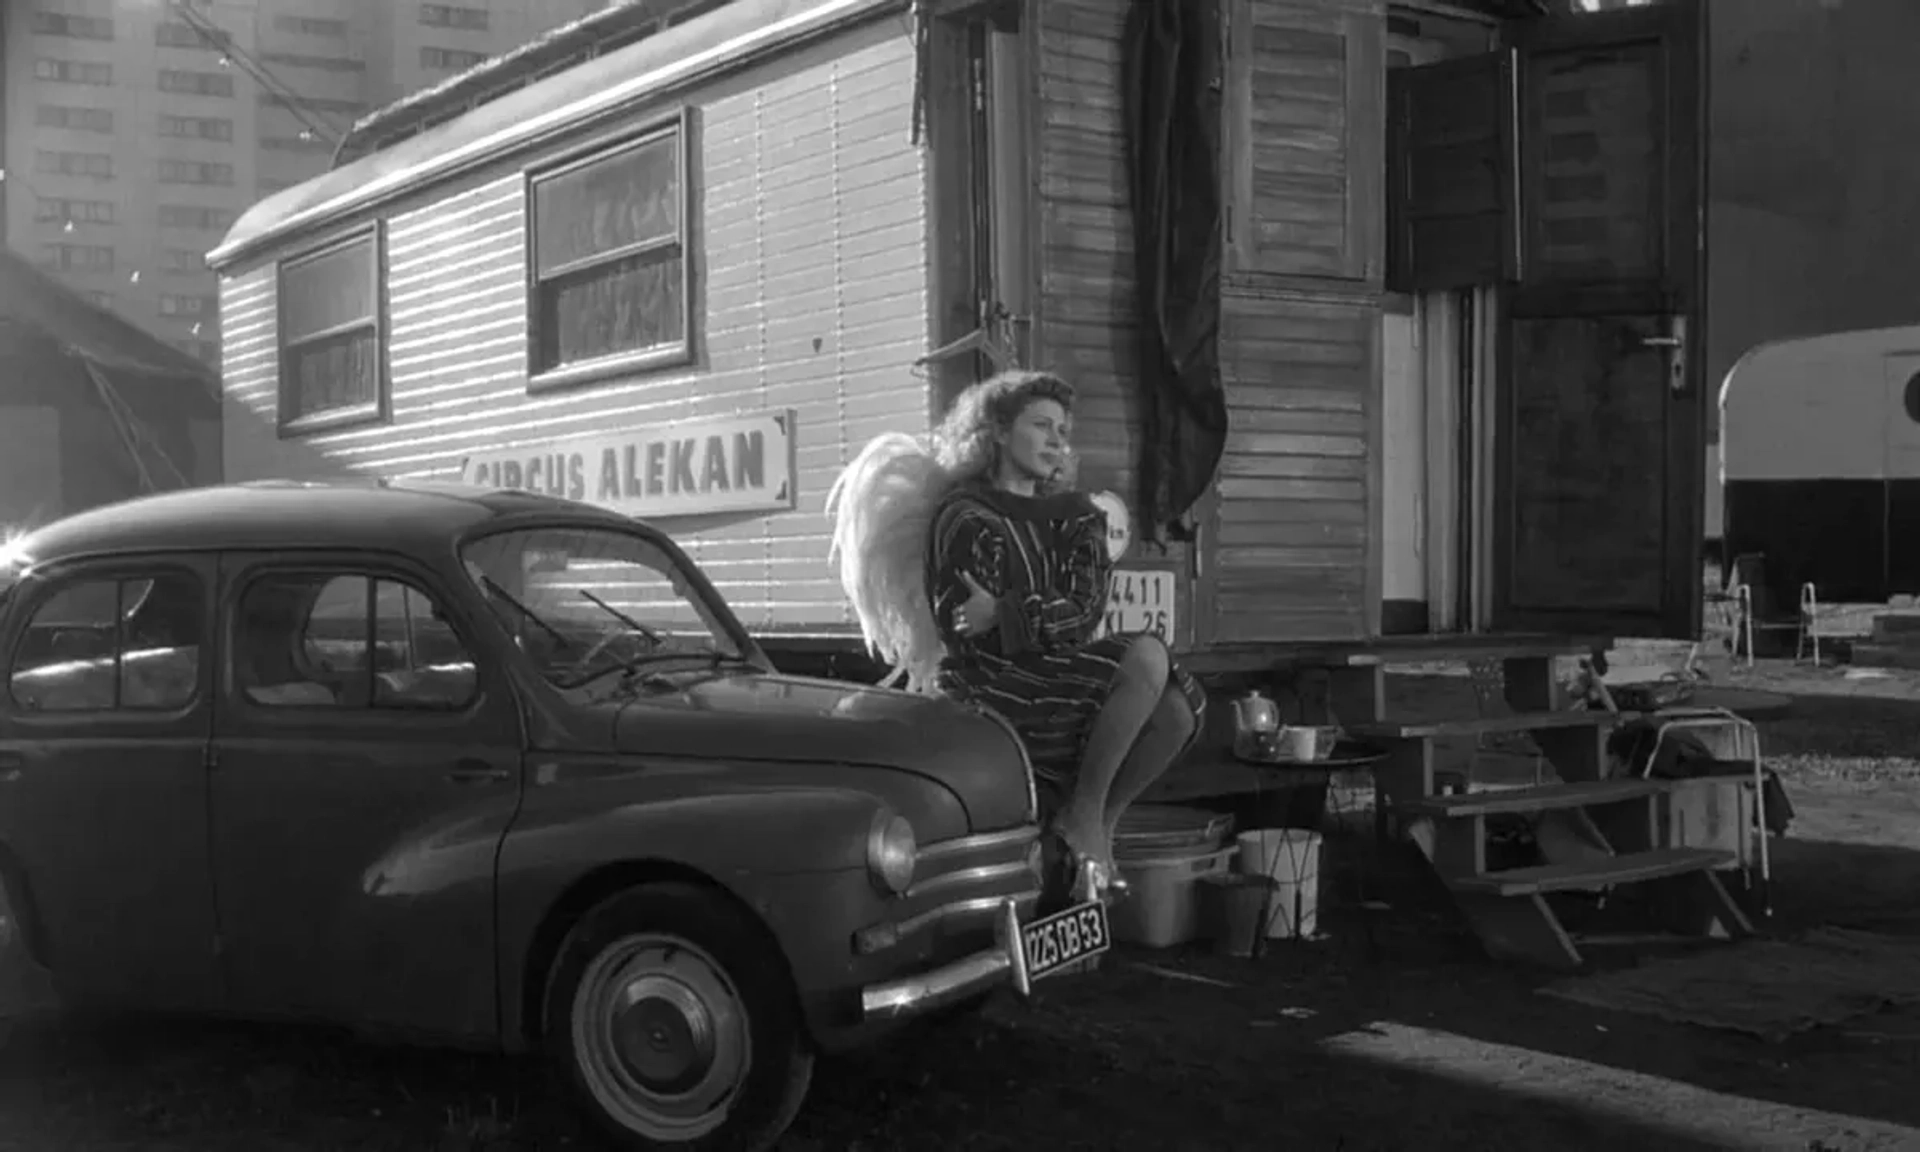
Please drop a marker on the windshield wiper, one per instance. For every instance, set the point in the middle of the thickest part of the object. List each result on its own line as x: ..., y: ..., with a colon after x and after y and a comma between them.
x: 654, y: 635
x: 493, y: 587
x: 632, y: 668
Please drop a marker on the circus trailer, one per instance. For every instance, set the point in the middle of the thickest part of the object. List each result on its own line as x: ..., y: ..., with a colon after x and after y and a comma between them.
x: 1378, y: 314
x: 1821, y: 468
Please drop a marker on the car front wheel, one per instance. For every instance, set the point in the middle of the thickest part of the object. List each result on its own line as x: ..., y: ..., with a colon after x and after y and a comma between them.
x: 674, y: 1023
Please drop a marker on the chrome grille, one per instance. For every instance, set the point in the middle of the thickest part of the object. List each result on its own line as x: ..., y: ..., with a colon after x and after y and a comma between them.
x: 958, y: 883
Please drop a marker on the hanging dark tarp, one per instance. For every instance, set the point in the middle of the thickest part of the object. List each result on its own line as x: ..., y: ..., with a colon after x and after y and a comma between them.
x: 1171, y: 80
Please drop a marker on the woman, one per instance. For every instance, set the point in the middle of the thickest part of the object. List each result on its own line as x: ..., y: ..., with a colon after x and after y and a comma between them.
x: 1011, y: 595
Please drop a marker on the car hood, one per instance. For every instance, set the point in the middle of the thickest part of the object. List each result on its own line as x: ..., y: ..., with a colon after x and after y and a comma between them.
x: 765, y: 717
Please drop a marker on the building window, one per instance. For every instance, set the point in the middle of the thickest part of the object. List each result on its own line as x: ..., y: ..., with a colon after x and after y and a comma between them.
x: 196, y: 83
x: 310, y: 25
x: 99, y: 299
x: 79, y: 257
x: 332, y: 367
x: 176, y: 35
x: 353, y: 108
x: 323, y: 63
x: 196, y: 127
x: 450, y: 59
x: 97, y: 165
x: 111, y: 645
x: 305, y: 142
x: 74, y: 119
x: 54, y: 209
x: 186, y: 260
x: 195, y: 172
x: 73, y: 72
x: 453, y: 16
x: 609, y: 260
x: 195, y: 306
x: 77, y: 27
x: 194, y: 216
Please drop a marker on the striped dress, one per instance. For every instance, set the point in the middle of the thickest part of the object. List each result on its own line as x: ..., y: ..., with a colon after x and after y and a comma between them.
x: 1045, y: 559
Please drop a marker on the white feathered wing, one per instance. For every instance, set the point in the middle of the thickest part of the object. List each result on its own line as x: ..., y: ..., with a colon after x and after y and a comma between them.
x: 882, y: 508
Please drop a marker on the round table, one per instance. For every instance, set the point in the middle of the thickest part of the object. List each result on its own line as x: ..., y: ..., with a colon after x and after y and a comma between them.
x: 1350, y: 767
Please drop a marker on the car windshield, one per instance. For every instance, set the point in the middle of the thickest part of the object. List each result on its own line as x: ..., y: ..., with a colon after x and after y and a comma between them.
x: 583, y: 602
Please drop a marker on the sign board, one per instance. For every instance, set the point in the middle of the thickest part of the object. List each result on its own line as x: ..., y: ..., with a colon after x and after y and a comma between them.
x: 738, y: 463
x: 1140, y: 600
x: 1119, y: 524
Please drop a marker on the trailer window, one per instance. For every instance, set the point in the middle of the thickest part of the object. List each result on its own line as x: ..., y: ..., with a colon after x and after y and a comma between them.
x: 332, y: 367
x: 609, y: 259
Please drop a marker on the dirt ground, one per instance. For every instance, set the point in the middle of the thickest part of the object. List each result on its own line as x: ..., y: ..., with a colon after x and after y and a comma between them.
x: 1391, y: 1033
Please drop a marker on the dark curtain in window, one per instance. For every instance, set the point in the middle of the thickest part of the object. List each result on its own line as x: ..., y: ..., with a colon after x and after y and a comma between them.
x: 1171, y: 67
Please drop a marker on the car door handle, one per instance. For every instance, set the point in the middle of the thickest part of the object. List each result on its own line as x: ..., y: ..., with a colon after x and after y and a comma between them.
x: 475, y: 772
x: 12, y: 764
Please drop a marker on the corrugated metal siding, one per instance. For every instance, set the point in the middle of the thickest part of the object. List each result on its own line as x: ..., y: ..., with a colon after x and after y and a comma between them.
x: 1292, y: 550
x: 1087, y: 324
x: 811, y: 276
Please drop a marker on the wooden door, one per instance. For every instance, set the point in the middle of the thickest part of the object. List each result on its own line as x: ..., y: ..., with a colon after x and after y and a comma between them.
x: 1599, y: 405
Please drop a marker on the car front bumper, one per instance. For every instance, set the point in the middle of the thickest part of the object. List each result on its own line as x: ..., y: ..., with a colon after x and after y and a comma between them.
x: 1002, y: 966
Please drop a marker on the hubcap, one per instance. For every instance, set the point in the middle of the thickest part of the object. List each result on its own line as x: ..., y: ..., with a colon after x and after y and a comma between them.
x: 661, y: 1037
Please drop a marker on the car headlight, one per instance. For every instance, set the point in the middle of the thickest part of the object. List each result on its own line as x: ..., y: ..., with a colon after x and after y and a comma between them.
x: 892, y: 852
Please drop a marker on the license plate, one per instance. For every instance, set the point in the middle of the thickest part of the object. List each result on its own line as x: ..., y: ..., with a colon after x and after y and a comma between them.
x: 1055, y: 942
x: 1140, y: 600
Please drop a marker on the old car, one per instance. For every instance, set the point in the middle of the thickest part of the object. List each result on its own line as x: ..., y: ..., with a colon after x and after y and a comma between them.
x: 494, y: 770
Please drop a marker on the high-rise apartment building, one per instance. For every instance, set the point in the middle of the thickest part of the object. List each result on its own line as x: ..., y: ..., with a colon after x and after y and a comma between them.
x: 135, y: 131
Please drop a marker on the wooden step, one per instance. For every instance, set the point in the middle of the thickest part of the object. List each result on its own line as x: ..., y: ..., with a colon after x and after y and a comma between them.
x: 1630, y: 869
x: 1483, y: 726
x: 1537, y: 798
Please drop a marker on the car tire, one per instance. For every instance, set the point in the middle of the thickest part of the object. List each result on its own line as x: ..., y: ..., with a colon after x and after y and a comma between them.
x: 674, y: 1023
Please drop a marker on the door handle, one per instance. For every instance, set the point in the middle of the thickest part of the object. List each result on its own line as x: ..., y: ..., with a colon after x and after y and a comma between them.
x: 12, y: 764
x: 477, y: 772
x: 1674, y: 344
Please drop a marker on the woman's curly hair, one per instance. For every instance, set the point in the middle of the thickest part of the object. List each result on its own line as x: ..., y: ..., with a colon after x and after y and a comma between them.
x: 967, y: 440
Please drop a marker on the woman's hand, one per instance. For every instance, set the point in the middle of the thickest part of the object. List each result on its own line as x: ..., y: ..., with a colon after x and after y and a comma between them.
x: 981, y: 611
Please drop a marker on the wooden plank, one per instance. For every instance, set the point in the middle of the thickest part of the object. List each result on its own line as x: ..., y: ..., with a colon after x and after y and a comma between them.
x: 1544, y: 798
x: 1639, y: 866
x: 1489, y: 725
x: 1525, y: 930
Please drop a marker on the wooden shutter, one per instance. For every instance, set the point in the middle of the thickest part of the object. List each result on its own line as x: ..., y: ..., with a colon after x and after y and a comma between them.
x: 1451, y: 174
x: 1303, y: 137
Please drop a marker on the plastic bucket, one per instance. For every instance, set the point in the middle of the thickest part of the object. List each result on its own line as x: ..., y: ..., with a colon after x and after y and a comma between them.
x: 1156, y: 830
x: 1290, y: 858
x: 1231, y: 904
x: 1164, y: 908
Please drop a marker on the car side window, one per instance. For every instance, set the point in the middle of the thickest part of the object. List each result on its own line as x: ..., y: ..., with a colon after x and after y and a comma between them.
x: 328, y: 640
x: 112, y: 645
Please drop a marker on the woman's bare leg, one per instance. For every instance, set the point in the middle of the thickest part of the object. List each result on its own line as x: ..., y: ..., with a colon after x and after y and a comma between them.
x: 1137, y: 684
x: 1169, y: 729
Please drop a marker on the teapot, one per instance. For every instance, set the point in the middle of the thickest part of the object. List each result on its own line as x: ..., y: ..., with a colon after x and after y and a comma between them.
x: 1256, y: 727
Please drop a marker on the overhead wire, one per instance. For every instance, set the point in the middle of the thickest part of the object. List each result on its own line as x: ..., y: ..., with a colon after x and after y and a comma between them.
x: 220, y: 40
